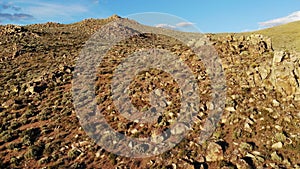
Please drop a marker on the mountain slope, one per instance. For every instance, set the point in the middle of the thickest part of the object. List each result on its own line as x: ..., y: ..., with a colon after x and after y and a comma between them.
x: 285, y: 36
x: 39, y: 127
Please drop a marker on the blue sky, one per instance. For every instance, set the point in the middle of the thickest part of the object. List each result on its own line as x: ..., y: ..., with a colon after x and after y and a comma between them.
x: 208, y: 16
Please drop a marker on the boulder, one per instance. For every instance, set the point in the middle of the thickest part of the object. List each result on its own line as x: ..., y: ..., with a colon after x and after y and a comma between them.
x: 214, y: 152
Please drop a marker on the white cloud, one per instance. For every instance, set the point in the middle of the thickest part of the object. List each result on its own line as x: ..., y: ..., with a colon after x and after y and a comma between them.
x: 12, y: 13
x: 185, y: 24
x: 46, y: 9
x: 9, y: 5
x: 51, y: 9
x: 14, y: 17
x: 176, y: 26
x: 279, y: 21
x: 167, y: 26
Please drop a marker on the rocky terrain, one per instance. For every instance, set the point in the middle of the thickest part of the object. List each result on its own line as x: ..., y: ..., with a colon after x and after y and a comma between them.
x: 39, y: 127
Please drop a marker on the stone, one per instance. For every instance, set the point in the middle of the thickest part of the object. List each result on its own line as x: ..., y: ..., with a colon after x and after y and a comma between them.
x: 260, y: 159
x: 285, y: 74
x: 280, y: 137
x: 8, y: 104
x: 158, y: 92
x: 214, y: 152
x: 248, y: 128
x: 246, y: 147
x: 141, y: 148
x: 174, y: 166
x: 275, y: 103
x: 276, y: 157
x: 210, y: 106
x: 264, y: 71
x: 278, y: 145
x: 297, y: 97
x: 278, y: 56
x: 269, y: 43
x: 242, y: 164
x: 16, y: 89
x: 134, y: 131
x: 278, y: 127
x: 157, y: 138
x: 30, y: 89
x: 187, y: 166
x: 191, y: 43
x: 287, y: 163
x: 230, y: 109
x: 199, y: 43
x: 273, y: 165
x: 178, y: 129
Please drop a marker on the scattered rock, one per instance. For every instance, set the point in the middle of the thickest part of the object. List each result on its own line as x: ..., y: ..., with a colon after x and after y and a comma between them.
x: 242, y: 164
x: 247, y: 127
x: 141, y: 148
x: 178, y: 129
x: 214, y: 152
x: 277, y: 145
x: 280, y: 137
x: 8, y: 103
x: 246, y: 147
x: 276, y: 157
x: 230, y: 109
x: 276, y: 103
x: 278, y: 56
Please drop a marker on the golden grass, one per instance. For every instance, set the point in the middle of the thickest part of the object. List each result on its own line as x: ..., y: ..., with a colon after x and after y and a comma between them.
x: 284, y: 37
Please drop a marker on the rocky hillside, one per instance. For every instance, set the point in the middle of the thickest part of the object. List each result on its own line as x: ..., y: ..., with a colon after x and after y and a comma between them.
x: 285, y: 37
x: 40, y: 129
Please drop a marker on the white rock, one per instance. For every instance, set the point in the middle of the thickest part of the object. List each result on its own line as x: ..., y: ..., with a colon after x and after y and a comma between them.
x: 214, y: 152
x: 134, y: 131
x: 277, y: 145
x: 179, y: 128
x: 98, y: 153
x: 278, y: 127
x: 278, y: 56
x: 276, y: 103
x: 251, y: 100
x: 230, y: 109
x: 269, y: 110
x: 248, y: 128
x: 275, y: 157
x: 210, y: 106
x: 158, y: 92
